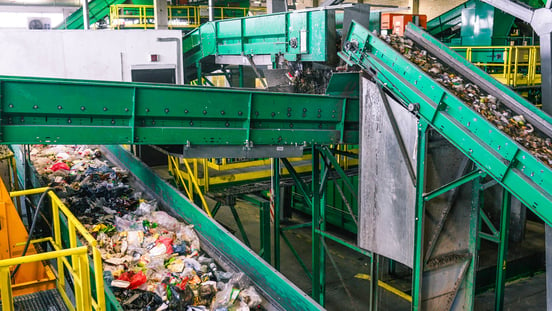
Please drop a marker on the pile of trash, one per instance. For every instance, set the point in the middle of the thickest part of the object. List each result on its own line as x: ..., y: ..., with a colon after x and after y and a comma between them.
x: 151, y: 260
x: 487, y: 105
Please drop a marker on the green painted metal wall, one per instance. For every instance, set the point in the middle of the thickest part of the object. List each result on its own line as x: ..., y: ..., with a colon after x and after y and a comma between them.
x: 296, y: 35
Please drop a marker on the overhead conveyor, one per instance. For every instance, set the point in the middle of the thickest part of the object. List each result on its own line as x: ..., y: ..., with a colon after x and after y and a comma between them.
x: 307, y: 35
x: 449, y: 20
x: 496, y: 153
x: 256, y: 124
x: 97, y: 10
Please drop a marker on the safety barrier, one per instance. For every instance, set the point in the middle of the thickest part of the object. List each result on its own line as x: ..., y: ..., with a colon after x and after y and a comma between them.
x: 180, y: 16
x: 72, y: 258
x: 512, y: 65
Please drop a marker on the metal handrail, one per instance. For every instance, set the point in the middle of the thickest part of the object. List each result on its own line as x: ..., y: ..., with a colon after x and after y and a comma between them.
x: 180, y: 16
x: 511, y: 63
x: 78, y: 266
x: 189, y: 176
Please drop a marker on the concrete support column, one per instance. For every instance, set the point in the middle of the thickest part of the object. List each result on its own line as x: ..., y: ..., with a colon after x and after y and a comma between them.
x: 161, y: 14
x: 85, y: 19
x: 414, y: 6
x: 276, y: 6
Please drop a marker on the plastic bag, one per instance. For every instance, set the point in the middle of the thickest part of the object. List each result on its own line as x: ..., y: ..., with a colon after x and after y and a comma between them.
x: 135, y: 279
x: 188, y: 234
x: 145, y: 208
x: 124, y: 224
x: 192, y: 263
x: 167, y: 241
x: 156, y: 263
x: 226, y: 297
x: 239, y: 306
x: 239, y: 280
x: 180, y: 248
x: 60, y: 166
x: 250, y: 297
x: 165, y: 220
x: 135, y: 239
x: 179, y: 298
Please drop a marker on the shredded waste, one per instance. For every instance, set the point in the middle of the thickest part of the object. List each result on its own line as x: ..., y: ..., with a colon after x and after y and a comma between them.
x: 151, y: 260
x: 485, y: 104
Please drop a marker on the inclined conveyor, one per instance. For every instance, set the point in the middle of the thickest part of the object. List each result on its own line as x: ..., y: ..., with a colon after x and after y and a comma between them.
x: 496, y: 153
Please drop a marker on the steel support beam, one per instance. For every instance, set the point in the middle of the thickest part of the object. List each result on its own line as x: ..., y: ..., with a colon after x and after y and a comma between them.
x: 374, y: 279
x: 502, y: 251
x: 473, y: 244
x: 275, y: 201
x: 418, y: 262
x: 56, y: 111
x: 318, y: 225
x: 548, y: 246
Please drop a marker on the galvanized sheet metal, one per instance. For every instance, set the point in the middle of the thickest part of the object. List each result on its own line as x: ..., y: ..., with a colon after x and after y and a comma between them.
x: 387, y: 195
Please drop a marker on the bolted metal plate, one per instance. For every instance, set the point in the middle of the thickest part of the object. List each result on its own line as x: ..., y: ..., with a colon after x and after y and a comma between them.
x: 387, y: 194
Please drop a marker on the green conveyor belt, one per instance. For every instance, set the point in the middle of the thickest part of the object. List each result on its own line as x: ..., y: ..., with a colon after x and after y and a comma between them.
x: 56, y: 111
x: 449, y: 19
x: 510, y: 164
x: 299, y: 35
x: 97, y: 10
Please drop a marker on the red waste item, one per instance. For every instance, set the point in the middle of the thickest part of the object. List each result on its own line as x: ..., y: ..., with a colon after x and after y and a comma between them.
x: 184, y: 282
x: 135, y: 279
x: 167, y: 242
x: 60, y: 166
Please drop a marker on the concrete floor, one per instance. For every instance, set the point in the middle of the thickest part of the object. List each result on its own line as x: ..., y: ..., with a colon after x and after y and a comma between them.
x: 344, y: 291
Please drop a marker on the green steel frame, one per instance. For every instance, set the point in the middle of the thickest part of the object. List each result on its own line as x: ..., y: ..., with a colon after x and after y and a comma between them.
x: 301, y: 35
x: 494, y: 154
x: 55, y: 111
x: 323, y: 160
x: 511, y: 165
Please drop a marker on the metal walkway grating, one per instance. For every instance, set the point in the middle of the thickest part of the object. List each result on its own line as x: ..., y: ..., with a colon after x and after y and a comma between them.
x: 48, y: 300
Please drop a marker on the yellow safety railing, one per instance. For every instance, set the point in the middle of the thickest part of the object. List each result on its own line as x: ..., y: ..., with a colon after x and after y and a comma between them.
x: 519, y: 65
x: 78, y: 267
x: 188, y: 180
x: 185, y: 171
x: 180, y: 16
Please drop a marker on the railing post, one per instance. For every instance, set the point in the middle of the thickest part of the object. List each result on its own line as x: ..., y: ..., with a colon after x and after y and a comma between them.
x: 84, y: 267
x: 98, y: 277
x: 57, y: 239
x: 6, y: 289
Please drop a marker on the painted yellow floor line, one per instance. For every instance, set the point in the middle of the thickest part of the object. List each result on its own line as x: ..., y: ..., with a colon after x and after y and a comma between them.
x: 386, y: 287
